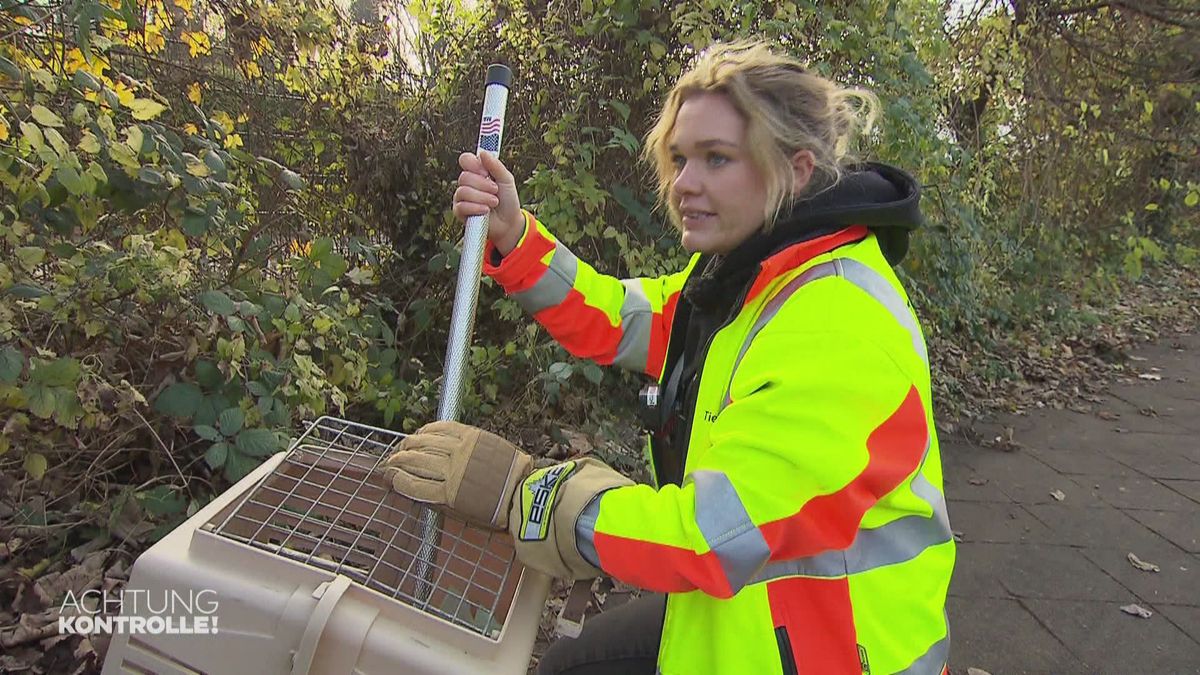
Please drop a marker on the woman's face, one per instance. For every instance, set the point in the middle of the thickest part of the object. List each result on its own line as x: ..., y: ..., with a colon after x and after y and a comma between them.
x: 718, y: 190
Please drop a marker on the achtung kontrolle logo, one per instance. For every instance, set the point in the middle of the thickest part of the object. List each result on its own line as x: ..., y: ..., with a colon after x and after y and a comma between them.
x: 136, y: 611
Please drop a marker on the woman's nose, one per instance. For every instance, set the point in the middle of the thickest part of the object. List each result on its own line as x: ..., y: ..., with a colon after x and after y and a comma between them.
x: 686, y: 182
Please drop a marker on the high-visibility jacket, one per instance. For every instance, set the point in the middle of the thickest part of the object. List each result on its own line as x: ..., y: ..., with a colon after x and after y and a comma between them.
x: 809, y: 533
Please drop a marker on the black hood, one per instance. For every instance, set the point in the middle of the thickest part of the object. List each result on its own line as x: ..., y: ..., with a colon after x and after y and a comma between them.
x: 882, y: 197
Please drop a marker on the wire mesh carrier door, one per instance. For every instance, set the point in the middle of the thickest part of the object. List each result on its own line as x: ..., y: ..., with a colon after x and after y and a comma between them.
x: 316, y: 565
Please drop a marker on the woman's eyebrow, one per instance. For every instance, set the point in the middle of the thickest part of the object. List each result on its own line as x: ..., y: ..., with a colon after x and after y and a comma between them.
x: 705, y: 144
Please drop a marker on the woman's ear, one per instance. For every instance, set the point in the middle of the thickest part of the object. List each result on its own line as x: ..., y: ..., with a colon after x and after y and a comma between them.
x: 803, y: 164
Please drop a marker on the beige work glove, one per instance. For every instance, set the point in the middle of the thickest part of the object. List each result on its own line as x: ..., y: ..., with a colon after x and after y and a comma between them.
x: 465, y: 469
x: 545, y: 513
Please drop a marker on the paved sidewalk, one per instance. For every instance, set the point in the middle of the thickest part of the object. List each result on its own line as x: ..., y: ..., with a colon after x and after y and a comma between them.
x: 1040, y: 581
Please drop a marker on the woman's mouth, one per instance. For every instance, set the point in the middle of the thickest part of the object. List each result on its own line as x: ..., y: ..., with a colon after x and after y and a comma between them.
x: 693, y: 218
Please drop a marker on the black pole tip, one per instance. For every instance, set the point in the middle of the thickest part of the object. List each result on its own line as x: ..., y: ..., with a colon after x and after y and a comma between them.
x: 498, y: 73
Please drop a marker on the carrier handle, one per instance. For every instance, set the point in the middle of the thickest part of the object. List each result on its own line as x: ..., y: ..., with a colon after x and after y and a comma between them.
x: 329, y: 592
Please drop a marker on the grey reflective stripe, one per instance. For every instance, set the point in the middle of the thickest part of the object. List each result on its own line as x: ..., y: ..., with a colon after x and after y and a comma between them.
x: 554, y: 285
x: 885, y: 294
x: 932, y: 662
x: 634, y: 348
x: 868, y: 280
x: 636, y: 316
x: 898, y: 541
x: 772, y: 308
x: 730, y: 534
x: 585, y: 531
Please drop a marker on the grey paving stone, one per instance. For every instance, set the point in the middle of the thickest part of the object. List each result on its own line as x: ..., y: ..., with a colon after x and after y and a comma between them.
x: 1157, y: 461
x: 1181, y: 527
x: 1135, y: 492
x: 1102, y: 527
x: 1084, y: 462
x: 1069, y: 430
x: 1129, y: 418
x: 1177, y: 582
x: 1185, y: 389
x: 1130, y: 444
x: 1185, y: 618
x: 1030, y: 571
x: 975, y: 569
x: 1110, y: 641
x: 1169, y: 410
x: 959, y: 488
x: 957, y: 454
x: 1187, y: 488
x: 1001, y: 636
x: 1028, y: 480
x: 1170, y: 361
x: 997, y: 522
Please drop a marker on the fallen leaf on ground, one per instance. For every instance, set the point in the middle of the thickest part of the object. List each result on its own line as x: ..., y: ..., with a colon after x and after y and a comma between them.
x: 1058, y: 494
x: 30, y: 628
x: 1142, y: 564
x: 977, y: 671
x: 1137, y: 610
x: 31, y: 598
x: 1137, y: 358
x: 77, y: 579
x: 1106, y: 415
x: 977, y: 481
x: 1150, y: 376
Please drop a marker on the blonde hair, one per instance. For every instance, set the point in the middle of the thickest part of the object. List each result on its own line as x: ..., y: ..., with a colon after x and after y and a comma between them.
x: 787, y: 109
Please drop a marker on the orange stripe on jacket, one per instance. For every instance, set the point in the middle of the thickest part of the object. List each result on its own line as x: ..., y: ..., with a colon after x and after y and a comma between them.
x: 661, y: 568
x: 796, y: 254
x: 523, y: 266
x: 819, y: 619
x: 830, y: 522
x: 584, y: 331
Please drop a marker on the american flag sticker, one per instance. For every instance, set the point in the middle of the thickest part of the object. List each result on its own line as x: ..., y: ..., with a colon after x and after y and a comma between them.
x: 490, y: 125
x: 489, y: 134
x: 490, y: 142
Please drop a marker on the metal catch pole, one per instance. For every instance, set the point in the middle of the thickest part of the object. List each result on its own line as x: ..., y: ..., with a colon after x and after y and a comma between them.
x: 466, y: 297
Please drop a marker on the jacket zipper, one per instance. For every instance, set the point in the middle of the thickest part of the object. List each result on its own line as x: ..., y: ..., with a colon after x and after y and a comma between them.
x: 785, y: 651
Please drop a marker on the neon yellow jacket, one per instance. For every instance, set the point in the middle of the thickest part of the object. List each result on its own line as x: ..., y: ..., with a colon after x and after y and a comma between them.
x: 809, y: 533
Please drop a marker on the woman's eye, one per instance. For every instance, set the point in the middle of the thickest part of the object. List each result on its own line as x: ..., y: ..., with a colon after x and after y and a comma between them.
x: 677, y: 161
x: 717, y: 159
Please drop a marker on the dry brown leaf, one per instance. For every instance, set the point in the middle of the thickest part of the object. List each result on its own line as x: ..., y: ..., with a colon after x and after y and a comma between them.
x: 10, y: 548
x: 31, y: 598
x: 977, y: 671
x: 77, y: 579
x: 1107, y: 415
x: 977, y: 481
x: 1142, y: 564
x: 1137, y: 610
x: 31, y: 628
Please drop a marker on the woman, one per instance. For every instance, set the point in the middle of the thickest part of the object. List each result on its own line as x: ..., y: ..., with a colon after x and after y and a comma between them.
x: 797, y: 523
